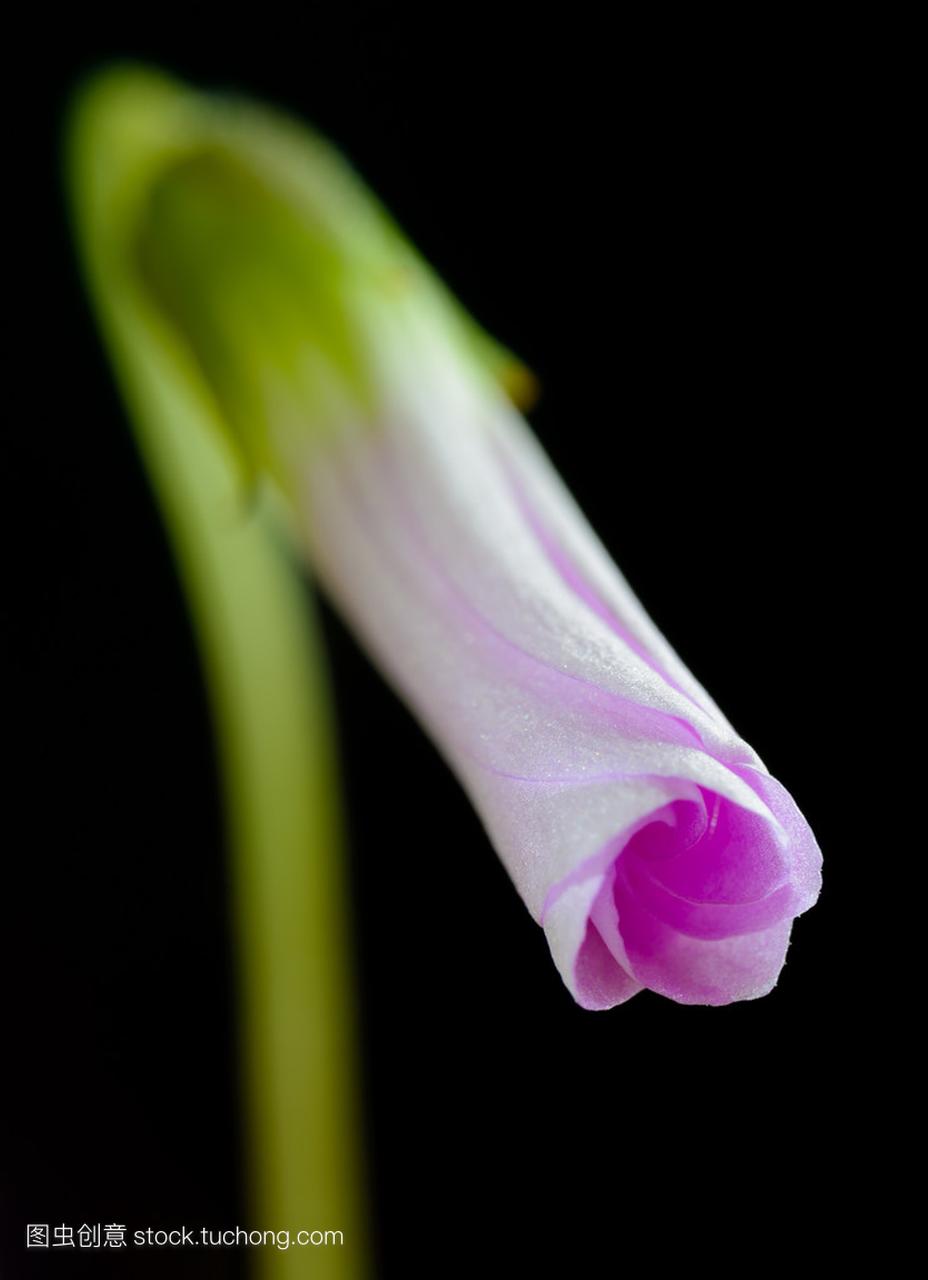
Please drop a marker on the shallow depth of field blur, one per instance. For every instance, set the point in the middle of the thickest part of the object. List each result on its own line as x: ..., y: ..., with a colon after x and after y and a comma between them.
x: 654, y: 243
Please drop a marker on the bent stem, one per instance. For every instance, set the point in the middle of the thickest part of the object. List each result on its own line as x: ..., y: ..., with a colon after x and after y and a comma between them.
x: 268, y: 695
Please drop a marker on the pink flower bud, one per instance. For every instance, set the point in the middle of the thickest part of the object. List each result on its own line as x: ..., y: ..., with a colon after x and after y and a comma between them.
x: 642, y: 833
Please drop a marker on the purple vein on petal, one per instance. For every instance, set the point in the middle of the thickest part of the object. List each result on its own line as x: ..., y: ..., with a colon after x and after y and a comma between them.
x: 581, y: 588
x: 405, y: 517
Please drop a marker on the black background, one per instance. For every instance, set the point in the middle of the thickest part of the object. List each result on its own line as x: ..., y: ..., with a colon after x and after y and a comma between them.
x: 661, y: 224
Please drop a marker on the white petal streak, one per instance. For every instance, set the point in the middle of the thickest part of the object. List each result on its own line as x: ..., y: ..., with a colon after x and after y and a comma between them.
x: 560, y: 732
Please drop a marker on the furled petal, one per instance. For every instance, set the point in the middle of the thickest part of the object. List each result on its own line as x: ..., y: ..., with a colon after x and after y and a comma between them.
x: 643, y: 834
x: 640, y: 830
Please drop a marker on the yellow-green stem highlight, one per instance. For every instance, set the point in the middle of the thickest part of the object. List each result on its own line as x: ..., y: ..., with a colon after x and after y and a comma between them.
x: 269, y: 697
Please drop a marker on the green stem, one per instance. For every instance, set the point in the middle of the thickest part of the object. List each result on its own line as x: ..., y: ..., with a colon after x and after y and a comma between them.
x: 269, y: 697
